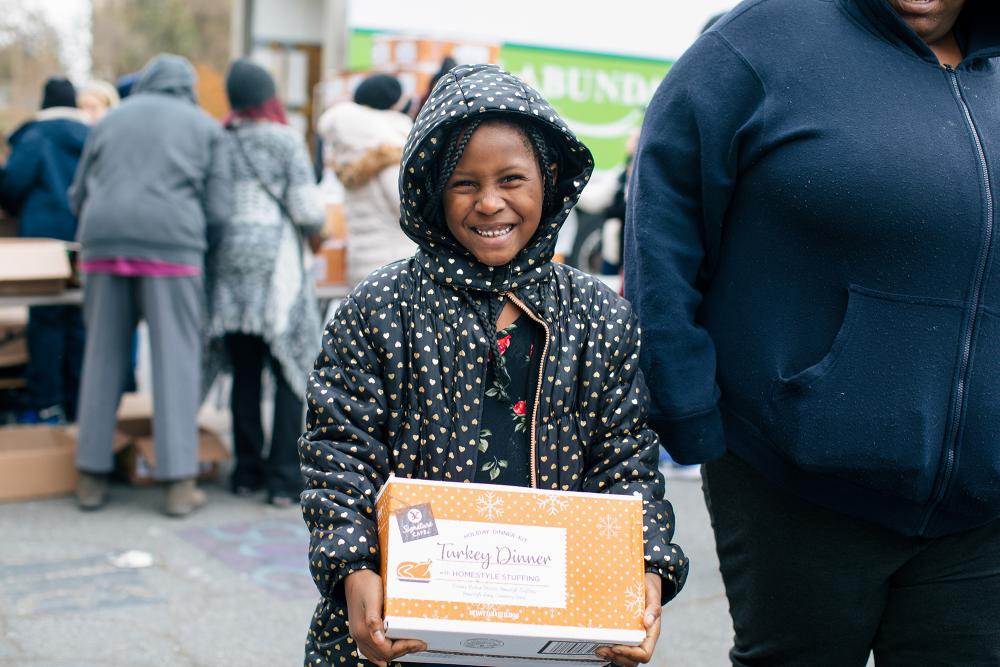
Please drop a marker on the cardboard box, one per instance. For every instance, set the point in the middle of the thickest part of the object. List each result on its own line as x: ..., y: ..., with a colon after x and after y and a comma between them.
x: 36, y: 461
x: 33, y: 266
x: 135, y: 452
x: 499, y: 575
x: 135, y: 459
x: 331, y: 263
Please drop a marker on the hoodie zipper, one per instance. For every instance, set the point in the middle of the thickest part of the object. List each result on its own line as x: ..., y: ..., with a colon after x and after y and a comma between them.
x: 977, y: 290
x: 538, y: 386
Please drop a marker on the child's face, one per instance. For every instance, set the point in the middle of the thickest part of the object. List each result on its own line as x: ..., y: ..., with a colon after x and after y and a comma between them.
x: 493, y: 201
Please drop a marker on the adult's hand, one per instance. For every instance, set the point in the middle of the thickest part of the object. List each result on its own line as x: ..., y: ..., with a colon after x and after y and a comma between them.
x: 632, y: 656
x: 364, y: 614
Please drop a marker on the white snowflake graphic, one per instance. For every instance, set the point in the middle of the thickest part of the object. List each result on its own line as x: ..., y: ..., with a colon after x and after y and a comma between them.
x: 552, y: 504
x: 608, y: 526
x: 635, y: 598
x: 489, y: 505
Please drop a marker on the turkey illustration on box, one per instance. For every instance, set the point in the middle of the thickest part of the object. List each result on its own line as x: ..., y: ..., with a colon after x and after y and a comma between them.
x: 498, y: 575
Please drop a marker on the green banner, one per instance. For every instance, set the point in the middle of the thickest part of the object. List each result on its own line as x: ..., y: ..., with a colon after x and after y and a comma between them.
x: 601, y: 97
x: 359, y: 50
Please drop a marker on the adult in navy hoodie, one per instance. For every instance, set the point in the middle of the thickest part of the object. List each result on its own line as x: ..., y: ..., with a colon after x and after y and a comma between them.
x: 812, y: 249
x: 34, y: 184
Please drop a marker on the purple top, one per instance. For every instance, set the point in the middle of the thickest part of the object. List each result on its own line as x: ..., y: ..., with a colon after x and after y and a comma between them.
x: 139, y: 268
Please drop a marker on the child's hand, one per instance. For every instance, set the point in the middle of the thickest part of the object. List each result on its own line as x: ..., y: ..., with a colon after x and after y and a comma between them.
x: 364, y: 614
x: 631, y: 656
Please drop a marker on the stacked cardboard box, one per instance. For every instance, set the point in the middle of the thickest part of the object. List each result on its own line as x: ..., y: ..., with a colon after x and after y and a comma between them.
x: 30, y: 267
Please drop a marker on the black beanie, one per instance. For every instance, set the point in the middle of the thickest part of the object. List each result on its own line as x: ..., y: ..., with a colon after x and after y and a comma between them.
x: 58, y: 92
x: 248, y: 85
x: 379, y: 91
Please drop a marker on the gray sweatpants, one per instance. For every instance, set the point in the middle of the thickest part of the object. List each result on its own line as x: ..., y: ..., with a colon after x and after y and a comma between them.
x: 173, y: 309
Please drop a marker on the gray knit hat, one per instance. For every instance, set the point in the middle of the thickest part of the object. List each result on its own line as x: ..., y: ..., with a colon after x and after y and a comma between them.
x: 248, y: 85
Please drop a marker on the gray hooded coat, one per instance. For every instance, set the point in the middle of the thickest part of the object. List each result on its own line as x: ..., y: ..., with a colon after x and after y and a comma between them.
x: 155, y: 176
x: 398, y: 386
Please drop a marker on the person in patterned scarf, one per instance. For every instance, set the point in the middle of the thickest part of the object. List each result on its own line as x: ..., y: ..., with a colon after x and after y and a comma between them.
x: 479, y: 359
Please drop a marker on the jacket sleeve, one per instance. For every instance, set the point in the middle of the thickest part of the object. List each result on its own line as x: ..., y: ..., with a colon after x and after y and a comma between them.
x: 78, y: 190
x: 20, y: 174
x: 343, y: 452
x: 697, y: 132
x: 218, y: 191
x: 305, y: 203
x: 623, y: 454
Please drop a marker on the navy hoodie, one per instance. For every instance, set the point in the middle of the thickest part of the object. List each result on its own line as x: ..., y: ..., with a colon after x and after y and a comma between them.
x: 811, y: 246
x: 44, y: 154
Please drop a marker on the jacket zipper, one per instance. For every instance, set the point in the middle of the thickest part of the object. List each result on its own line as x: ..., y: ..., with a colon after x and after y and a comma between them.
x: 538, y: 386
x: 949, y: 463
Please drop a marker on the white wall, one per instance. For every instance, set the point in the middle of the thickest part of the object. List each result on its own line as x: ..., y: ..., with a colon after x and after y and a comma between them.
x: 651, y: 28
x: 299, y: 21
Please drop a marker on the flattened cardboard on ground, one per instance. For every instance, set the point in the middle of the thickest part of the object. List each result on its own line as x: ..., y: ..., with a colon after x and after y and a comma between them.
x: 135, y: 452
x: 31, y: 266
x: 36, y: 461
x: 509, y: 576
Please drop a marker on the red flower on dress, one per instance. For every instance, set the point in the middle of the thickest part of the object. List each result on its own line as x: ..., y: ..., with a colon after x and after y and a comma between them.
x: 520, y: 408
x: 503, y: 343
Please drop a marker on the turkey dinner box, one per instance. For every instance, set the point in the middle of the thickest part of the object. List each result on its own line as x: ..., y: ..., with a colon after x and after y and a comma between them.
x: 501, y: 575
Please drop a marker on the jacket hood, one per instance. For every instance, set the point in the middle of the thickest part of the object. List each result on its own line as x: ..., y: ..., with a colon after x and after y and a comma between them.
x: 352, y: 130
x: 169, y: 75
x: 464, y: 92
x: 64, y: 126
x: 977, y: 29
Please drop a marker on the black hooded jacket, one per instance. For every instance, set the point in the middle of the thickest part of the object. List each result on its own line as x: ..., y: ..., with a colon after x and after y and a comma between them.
x: 398, y: 386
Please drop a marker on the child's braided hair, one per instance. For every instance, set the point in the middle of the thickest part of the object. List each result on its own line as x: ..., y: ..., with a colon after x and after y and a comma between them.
x: 454, y: 146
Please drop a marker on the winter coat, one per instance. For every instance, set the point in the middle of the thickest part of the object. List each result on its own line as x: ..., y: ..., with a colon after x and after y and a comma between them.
x: 399, y: 383
x: 810, y: 246
x: 155, y: 178
x: 257, y: 282
x: 365, y: 147
x: 44, y: 155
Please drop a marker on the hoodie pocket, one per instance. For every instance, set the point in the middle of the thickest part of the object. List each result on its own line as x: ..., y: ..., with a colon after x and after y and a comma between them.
x: 874, y: 409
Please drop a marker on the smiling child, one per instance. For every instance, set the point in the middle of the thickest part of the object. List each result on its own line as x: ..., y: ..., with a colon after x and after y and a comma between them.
x: 478, y: 359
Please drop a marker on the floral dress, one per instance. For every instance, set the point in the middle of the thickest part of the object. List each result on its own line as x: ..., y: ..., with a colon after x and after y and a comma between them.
x: 505, y: 439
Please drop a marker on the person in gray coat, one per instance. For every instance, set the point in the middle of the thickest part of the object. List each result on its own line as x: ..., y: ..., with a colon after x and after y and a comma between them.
x: 153, y: 188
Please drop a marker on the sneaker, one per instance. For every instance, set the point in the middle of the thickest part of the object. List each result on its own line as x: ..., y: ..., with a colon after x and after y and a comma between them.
x: 183, y: 497
x: 50, y: 416
x: 91, y: 490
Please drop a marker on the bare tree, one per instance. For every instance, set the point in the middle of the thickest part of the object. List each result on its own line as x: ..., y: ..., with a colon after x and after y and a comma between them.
x: 127, y: 33
x: 29, y: 54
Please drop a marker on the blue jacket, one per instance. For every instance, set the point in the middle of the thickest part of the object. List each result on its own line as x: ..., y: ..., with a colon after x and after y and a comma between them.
x: 36, y: 179
x: 811, y: 247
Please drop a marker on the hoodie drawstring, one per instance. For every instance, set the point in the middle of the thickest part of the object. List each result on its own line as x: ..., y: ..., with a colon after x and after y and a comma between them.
x: 494, y: 305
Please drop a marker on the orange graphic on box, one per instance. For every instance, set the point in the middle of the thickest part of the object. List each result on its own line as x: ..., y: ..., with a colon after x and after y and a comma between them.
x: 415, y: 572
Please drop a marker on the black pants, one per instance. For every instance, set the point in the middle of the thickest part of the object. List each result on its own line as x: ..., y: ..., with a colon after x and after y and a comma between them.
x: 279, y: 472
x: 812, y: 588
x: 55, y: 357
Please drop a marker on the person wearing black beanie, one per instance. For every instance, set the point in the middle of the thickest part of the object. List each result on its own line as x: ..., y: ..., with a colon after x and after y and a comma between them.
x: 379, y: 91
x: 44, y: 154
x: 248, y: 84
x: 58, y: 92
